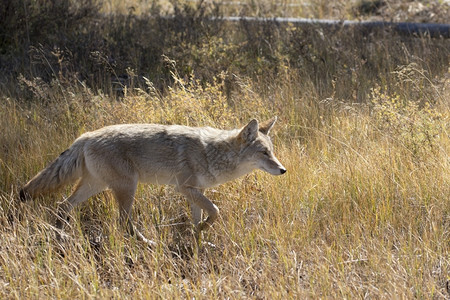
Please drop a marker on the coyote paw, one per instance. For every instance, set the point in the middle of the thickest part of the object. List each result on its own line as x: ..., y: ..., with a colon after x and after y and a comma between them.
x: 201, y: 226
x: 61, y: 236
x: 142, y: 238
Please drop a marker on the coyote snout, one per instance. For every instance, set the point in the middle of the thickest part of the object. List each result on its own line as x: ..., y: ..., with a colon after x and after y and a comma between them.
x: 118, y: 157
x: 272, y: 165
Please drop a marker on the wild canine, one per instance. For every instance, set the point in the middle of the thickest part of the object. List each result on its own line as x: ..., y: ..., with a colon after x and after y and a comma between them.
x: 192, y: 159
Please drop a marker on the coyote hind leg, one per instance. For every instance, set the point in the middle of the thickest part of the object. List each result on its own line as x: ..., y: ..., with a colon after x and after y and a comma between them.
x: 125, y: 199
x: 85, y: 189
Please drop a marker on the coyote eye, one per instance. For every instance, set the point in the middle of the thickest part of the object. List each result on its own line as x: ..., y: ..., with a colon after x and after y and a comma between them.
x: 266, y: 153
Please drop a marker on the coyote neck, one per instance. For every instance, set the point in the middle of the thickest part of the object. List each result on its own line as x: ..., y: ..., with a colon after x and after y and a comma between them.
x: 224, y: 162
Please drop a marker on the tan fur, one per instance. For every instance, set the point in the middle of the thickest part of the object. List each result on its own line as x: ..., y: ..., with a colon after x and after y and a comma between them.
x: 192, y: 159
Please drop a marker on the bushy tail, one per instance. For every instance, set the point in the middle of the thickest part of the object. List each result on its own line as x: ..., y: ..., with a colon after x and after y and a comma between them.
x: 64, y: 170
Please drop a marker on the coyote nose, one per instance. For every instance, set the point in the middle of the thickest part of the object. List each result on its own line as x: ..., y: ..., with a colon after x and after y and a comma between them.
x: 282, y: 171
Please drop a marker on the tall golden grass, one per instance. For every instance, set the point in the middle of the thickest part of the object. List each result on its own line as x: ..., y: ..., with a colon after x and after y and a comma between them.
x: 363, y: 211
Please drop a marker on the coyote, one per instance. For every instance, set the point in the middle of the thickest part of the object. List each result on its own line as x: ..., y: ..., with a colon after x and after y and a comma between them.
x: 190, y: 158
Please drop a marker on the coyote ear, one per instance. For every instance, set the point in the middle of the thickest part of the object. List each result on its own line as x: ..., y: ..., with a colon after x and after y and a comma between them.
x: 266, y: 126
x: 249, y: 132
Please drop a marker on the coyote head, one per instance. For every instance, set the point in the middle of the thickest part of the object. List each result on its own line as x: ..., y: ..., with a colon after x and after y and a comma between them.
x: 256, y: 148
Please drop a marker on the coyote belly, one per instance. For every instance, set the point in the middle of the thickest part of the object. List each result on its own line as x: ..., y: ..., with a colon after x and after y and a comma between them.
x: 190, y: 158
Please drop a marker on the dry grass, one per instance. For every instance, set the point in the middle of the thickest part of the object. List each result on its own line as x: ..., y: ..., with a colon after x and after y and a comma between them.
x: 361, y: 212
x: 393, y: 10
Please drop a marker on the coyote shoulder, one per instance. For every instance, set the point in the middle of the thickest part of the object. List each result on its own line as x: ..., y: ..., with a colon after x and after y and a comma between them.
x: 117, y: 157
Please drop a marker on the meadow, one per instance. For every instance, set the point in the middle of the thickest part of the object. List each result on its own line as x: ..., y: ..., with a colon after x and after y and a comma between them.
x: 363, y: 130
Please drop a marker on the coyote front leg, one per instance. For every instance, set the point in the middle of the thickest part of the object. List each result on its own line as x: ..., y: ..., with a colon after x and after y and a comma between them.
x: 196, y: 214
x: 198, y: 202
